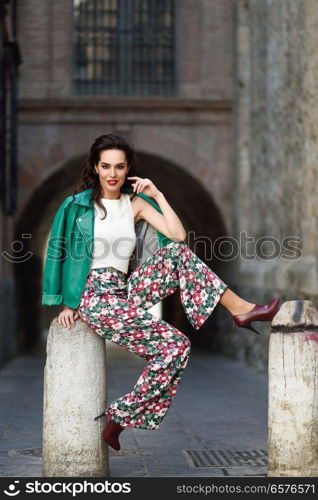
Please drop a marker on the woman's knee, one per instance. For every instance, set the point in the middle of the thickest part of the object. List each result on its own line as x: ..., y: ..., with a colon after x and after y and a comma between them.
x: 184, y: 346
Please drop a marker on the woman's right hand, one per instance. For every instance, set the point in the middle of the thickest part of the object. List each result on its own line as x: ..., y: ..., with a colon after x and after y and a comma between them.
x: 67, y: 317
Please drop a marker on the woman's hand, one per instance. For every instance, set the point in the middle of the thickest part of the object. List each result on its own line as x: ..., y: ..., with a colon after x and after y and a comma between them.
x: 67, y: 316
x: 145, y: 185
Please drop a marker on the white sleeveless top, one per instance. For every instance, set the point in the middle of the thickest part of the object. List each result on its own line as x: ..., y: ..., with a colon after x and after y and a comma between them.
x: 114, y: 236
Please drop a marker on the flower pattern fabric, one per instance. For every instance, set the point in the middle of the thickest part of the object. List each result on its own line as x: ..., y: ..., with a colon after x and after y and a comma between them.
x: 116, y: 307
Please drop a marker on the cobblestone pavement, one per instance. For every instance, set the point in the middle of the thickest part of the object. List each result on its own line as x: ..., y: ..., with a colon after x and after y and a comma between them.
x: 220, y: 407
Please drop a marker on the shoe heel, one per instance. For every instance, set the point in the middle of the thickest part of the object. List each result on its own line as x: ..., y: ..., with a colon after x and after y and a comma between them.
x: 101, y: 415
x: 249, y: 327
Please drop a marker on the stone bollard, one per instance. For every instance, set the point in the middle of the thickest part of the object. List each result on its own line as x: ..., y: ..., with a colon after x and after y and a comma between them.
x: 293, y: 391
x: 74, y: 393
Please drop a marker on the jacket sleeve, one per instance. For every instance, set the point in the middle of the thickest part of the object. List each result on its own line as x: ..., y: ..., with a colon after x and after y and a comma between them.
x: 55, y: 255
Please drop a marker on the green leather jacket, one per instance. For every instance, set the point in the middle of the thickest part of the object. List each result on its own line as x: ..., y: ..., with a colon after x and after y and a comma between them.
x: 70, y: 246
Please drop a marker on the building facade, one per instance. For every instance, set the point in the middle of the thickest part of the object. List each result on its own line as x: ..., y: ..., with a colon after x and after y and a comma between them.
x: 196, y: 86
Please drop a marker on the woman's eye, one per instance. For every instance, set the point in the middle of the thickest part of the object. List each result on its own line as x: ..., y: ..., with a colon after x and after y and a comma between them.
x: 119, y: 166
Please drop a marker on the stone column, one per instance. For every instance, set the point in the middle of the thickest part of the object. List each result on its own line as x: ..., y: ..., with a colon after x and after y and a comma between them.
x: 74, y: 393
x: 275, y: 171
x: 293, y: 390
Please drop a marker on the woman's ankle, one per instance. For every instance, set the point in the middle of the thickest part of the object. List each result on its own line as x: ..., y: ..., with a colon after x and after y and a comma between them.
x: 235, y: 304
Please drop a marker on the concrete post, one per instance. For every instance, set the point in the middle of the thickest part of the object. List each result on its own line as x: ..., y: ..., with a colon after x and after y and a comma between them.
x: 74, y: 393
x: 293, y: 391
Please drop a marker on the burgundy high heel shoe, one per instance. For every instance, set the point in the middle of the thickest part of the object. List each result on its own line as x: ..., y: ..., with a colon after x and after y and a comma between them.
x: 111, y: 432
x: 258, y: 313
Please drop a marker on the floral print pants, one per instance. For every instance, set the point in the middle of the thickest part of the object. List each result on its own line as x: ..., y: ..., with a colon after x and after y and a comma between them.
x: 115, y: 307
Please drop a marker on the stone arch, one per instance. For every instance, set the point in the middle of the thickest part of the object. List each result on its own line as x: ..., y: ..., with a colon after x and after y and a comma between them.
x: 186, y: 195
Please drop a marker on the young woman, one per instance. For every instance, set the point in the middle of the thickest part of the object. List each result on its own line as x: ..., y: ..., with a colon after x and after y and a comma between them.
x: 114, y: 300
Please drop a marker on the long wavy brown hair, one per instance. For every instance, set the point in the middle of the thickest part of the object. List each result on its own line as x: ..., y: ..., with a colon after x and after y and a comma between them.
x: 88, y: 176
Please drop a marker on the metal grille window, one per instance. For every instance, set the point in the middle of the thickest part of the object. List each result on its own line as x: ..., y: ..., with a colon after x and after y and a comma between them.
x: 124, y: 47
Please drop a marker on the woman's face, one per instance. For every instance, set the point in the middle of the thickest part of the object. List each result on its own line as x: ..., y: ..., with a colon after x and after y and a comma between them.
x: 112, y: 166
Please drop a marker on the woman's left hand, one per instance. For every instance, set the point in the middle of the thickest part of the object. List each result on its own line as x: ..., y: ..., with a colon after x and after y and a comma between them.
x: 145, y: 185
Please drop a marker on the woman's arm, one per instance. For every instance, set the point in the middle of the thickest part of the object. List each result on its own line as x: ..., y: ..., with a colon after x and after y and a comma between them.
x: 174, y: 225
x: 167, y: 223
